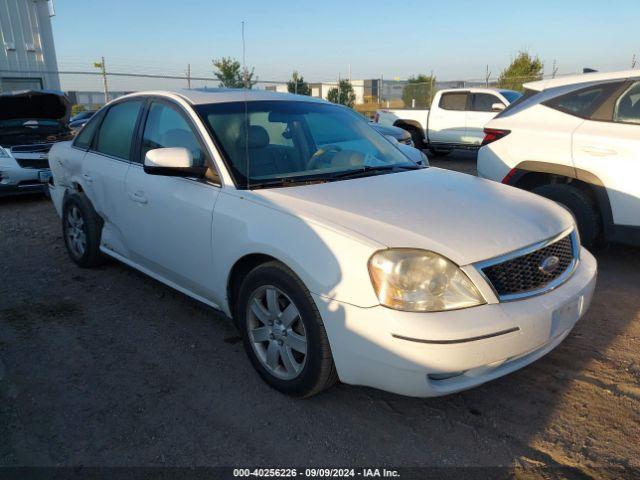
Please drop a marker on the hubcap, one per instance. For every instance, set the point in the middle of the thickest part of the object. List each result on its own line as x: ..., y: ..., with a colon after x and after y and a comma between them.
x: 276, y: 332
x: 76, y: 236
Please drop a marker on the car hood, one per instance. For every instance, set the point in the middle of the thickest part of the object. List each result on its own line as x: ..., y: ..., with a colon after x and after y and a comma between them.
x: 35, y: 105
x: 465, y: 218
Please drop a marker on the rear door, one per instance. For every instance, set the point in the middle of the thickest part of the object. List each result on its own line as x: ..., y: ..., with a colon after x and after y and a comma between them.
x: 168, y: 220
x: 607, y: 145
x: 105, y: 165
x: 479, y: 114
x: 447, y: 119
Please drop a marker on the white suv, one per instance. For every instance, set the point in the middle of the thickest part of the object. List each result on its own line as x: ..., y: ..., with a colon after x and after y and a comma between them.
x: 575, y: 140
x: 298, y: 220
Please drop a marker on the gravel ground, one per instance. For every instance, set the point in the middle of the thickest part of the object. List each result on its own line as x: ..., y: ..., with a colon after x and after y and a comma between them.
x: 107, y: 367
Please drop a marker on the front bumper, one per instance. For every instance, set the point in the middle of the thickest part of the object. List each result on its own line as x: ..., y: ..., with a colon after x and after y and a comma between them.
x: 17, y: 180
x: 432, y: 354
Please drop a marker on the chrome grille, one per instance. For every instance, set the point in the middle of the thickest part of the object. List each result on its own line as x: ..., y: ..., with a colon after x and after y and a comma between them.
x: 526, y: 275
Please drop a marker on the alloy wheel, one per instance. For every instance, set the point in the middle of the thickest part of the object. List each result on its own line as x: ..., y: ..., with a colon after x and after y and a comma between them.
x: 276, y: 332
x: 75, y: 232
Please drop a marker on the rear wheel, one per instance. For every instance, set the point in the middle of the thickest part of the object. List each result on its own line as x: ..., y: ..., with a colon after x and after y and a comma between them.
x: 581, y: 206
x: 283, y: 333
x: 81, y: 229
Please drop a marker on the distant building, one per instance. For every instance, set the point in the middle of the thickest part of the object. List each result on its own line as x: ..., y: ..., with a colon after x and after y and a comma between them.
x: 91, y: 100
x: 27, y: 53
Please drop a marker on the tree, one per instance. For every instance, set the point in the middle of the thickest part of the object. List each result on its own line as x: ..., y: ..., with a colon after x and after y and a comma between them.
x: 419, y: 90
x: 232, y: 75
x: 342, y: 94
x: 298, y: 85
x: 524, y: 68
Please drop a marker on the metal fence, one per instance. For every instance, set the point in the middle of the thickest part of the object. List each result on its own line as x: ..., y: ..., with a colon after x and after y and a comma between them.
x: 91, y: 88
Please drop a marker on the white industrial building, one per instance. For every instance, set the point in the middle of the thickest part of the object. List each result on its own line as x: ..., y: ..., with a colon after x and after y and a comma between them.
x: 27, y: 52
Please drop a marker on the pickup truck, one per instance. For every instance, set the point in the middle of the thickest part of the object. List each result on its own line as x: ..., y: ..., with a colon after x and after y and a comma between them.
x: 456, y: 118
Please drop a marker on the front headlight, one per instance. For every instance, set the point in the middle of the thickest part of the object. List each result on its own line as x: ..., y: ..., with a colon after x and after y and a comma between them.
x: 421, y: 281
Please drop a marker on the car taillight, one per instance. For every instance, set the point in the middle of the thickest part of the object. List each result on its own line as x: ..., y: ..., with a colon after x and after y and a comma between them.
x: 493, y: 134
x: 507, y: 179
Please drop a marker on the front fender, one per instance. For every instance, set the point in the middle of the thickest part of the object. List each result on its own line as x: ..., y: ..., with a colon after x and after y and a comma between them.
x: 329, y: 263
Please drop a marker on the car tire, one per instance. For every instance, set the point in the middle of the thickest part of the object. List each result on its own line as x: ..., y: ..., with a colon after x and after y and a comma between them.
x: 581, y: 206
x: 81, y: 230
x: 276, y: 314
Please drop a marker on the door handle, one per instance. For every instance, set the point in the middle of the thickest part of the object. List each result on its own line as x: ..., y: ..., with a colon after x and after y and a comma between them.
x: 87, y: 177
x: 138, y: 197
x: 598, y: 151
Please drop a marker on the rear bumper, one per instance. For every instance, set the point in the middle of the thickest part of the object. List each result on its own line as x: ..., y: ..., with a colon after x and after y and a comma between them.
x: 432, y: 354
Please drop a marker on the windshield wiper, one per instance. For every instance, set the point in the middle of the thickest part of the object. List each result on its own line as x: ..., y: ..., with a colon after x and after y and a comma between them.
x: 285, y: 182
x: 366, y: 171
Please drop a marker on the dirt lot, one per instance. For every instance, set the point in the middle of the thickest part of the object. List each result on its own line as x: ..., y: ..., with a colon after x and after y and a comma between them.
x: 109, y: 367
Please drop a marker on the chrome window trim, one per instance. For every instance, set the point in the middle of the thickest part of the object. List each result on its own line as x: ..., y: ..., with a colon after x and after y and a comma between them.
x: 575, y: 244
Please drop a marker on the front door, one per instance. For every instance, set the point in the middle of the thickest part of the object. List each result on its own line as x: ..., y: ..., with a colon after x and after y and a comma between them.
x: 479, y: 114
x: 169, y: 219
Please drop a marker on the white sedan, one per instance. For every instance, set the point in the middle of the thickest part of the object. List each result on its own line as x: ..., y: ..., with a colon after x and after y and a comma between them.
x: 336, y: 255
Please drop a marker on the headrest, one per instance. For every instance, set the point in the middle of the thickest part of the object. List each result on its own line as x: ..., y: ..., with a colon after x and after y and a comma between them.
x: 258, y: 137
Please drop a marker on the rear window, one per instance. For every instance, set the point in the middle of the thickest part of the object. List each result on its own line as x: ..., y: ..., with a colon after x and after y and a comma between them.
x: 454, y: 101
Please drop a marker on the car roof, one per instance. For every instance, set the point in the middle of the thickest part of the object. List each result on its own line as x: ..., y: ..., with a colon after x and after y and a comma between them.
x: 225, y: 95
x: 593, y: 77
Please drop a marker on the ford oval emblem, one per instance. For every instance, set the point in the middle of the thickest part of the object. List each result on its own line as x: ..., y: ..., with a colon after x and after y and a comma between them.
x: 549, y: 265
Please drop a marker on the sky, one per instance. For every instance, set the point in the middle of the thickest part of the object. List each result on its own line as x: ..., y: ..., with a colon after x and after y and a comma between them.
x: 322, y: 39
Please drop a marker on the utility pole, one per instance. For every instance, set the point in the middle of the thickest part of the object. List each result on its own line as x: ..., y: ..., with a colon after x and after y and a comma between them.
x: 487, y: 77
x: 189, y: 76
x: 633, y: 62
x: 103, y: 69
x: 554, y: 69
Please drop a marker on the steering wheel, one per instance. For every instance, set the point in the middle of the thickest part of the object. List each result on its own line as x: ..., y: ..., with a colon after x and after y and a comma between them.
x: 317, y: 158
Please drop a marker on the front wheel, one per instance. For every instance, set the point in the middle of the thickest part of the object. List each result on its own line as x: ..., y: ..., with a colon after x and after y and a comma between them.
x: 283, y: 333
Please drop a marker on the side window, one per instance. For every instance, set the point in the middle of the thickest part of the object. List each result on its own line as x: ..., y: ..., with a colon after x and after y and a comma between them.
x: 585, y: 102
x: 627, y: 108
x: 482, y: 102
x: 83, y: 140
x: 117, y: 130
x: 167, y: 127
x: 454, y: 101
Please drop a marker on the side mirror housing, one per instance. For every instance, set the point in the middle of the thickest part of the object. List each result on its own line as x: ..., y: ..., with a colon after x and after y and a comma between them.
x: 172, y: 162
x: 498, y: 107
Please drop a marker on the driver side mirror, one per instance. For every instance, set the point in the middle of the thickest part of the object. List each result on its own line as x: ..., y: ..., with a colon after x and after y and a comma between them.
x: 498, y: 107
x: 172, y: 162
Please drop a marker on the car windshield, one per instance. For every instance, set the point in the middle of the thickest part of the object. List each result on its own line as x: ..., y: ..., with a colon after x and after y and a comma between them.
x: 276, y: 143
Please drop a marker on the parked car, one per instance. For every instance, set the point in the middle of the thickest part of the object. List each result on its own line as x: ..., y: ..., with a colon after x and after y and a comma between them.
x: 400, y: 135
x: 30, y: 123
x: 456, y: 118
x: 402, y: 139
x: 336, y: 256
x: 84, y: 115
x: 575, y: 140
